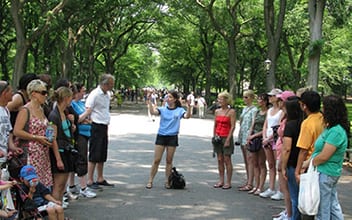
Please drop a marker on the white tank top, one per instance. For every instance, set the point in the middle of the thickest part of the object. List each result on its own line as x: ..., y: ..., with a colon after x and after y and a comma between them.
x: 272, y: 120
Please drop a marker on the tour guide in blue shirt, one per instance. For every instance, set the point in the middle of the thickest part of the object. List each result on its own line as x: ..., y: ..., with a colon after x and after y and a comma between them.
x: 167, y: 137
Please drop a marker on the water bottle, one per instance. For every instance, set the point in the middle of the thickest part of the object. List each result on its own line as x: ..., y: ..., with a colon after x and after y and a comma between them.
x: 49, y: 132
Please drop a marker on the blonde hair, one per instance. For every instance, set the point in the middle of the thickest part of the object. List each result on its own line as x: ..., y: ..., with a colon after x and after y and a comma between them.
x: 61, y: 93
x: 249, y: 93
x: 226, y: 97
x: 300, y: 91
x: 35, y: 86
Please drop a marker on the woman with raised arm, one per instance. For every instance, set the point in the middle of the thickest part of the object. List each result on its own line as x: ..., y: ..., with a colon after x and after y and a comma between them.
x: 167, y: 137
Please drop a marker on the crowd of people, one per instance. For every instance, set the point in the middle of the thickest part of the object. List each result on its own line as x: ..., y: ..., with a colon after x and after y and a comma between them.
x: 282, y: 135
x: 49, y: 163
x: 279, y: 135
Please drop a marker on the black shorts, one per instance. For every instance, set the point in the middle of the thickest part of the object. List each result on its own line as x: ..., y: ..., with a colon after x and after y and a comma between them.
x: 81, y: 166
x: 167, y: 140
x: 67, y: 160
x: 98, y: 143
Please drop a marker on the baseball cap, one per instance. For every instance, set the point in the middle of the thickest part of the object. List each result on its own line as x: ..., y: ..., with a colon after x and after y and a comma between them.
x: 285, y: 94
x: 28, y: 173
x: 275, y: 92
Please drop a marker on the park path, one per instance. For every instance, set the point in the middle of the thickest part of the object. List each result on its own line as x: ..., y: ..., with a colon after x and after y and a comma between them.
x: 131, y: 147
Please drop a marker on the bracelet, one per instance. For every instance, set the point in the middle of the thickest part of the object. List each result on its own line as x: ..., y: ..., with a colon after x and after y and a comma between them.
x: 34, y: 137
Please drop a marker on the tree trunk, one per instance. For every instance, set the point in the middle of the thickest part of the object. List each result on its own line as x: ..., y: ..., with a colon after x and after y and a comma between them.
x: 273, y: 32
x: 232, y: 66
x: 21, y: 47
x: 24, y: 43
x: 316, y: 12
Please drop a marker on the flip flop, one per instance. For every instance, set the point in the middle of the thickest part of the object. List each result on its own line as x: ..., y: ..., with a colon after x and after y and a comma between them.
x: 149, y: 186
x: 252, y: 191
x: 226, y: 186
x: 246, y: 188
x: 218, y: 185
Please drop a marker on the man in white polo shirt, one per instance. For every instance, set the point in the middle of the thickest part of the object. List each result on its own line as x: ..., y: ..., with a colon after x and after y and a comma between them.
x: 98, y: 103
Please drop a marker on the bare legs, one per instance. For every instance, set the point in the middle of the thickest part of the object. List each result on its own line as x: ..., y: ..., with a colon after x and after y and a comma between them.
x: 60, y: 180
x: 245, y: 160
x: 158, y: 154
x: 224, y: 161
x: 269, y: 153
x: 91, y: 167
x: 257, y: 161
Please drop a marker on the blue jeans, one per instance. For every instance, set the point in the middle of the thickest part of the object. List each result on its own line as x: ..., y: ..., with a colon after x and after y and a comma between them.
x: 329, y: 207
x: 293, y: 188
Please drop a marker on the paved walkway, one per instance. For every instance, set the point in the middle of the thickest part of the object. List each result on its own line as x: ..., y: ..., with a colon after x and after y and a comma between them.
x: 131, y: 147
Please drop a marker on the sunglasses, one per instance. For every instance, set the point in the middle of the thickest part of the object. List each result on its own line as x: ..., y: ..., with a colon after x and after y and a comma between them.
x: 44, y: 92
x: 3, y: 87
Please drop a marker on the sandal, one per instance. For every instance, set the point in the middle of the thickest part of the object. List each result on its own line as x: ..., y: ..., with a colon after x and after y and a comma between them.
x: 246, y: 188
x: 167, y: 185
x: 149, y: 185
x: 227, y: 186
x: 243, y: 185
x: 218, y: 185
x: 252, y: 190
x: 257, y: 192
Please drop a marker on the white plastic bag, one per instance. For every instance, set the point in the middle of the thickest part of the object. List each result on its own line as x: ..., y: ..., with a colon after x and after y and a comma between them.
x: 309, y: 194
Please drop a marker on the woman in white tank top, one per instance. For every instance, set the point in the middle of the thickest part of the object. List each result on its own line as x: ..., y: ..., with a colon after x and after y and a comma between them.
x: 272, y: 119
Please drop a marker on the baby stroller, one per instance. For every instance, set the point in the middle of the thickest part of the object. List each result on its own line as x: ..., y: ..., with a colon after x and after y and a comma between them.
x: 26, y: 207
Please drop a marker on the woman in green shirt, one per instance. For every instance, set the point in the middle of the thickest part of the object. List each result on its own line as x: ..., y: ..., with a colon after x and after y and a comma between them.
x: 328, y: 155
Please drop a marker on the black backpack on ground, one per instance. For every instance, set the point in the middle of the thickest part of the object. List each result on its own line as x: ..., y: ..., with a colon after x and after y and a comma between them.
x: 176, y: 180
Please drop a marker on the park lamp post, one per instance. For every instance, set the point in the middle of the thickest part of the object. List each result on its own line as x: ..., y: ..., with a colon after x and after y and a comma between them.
x: 267, y: 64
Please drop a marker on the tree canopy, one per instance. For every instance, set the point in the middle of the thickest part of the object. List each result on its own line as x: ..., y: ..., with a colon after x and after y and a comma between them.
x: 202, y: 45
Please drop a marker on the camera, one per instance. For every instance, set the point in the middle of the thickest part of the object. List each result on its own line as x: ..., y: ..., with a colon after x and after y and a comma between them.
x: 73, y: 150
x: 216, y: 140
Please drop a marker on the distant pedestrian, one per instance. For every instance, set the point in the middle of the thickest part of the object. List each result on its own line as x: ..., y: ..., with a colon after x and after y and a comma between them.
x: 191, y: 101
x: 224, y: 126
x: 202, y: 105
x: 167, y: 137
x: 98, y: 103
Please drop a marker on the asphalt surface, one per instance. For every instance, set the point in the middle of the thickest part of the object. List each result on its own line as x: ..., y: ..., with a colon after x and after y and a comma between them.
x: 131, y: 148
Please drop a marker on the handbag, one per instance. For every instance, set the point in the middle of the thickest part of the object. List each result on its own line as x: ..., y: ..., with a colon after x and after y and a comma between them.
x: 255, y: 144
x: 176, y: 180
x: 309, y: 193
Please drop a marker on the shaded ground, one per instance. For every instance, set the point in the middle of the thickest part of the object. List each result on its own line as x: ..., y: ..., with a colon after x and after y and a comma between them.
x: 131, y: 150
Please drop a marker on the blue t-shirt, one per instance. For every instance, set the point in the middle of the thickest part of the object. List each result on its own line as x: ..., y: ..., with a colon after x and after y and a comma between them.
x: 337, y: 137
x: 170, y: 120
x: 80, y: 108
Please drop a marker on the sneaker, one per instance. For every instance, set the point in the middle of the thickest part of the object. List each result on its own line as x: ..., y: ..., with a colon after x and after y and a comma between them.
x: 267, y: 193
x: 283, y: 216
x: 87, y: 193
x: 277, y: 196
x: 73, y: 189
x: 94, y: 186
x: 64, y: 204
x: 71, y: 196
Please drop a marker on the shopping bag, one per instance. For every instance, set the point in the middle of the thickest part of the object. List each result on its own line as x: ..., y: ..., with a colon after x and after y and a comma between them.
x: 309, y: 194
